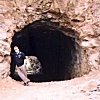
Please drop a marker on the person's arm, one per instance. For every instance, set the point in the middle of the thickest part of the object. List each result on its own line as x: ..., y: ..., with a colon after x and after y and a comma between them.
x: 25, y: 61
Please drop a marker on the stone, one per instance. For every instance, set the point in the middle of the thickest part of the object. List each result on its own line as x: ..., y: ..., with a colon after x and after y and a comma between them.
x: 89, y: 42
x: 33, y: 65
x: 90, y: 86
x: 1, y: 59
x: 83, y: 16
x: 94, y: 61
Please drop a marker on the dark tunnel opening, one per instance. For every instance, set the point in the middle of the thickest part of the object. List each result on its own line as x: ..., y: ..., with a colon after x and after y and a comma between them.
x: 54, y: 50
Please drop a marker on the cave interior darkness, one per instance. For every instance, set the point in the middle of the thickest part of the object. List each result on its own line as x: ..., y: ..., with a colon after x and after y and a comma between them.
x: 54, y: 50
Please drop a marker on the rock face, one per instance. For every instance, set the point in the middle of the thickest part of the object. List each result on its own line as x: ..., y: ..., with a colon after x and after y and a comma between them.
x: 82, y: 16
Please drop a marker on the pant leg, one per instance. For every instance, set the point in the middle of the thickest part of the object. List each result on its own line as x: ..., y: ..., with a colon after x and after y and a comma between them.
x: 21, y: 75
x: 23, y: 69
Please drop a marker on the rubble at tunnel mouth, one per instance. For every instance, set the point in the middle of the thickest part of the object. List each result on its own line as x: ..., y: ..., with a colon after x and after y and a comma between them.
x: 58, y: 52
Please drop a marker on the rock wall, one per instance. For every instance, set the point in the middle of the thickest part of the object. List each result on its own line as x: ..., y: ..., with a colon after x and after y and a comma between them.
x: 81, y: 15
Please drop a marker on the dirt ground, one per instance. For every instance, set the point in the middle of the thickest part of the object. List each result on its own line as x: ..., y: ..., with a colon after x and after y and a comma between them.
x: 82, y: 88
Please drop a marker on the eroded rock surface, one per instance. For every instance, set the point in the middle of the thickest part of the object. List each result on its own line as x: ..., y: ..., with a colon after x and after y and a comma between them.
x: 81, y: 15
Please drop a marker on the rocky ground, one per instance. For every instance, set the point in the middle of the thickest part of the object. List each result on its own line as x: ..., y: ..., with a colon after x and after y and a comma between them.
x: 83, y: 88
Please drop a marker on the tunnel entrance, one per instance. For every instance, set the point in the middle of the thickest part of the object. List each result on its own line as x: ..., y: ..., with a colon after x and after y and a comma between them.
x: 55, y: 51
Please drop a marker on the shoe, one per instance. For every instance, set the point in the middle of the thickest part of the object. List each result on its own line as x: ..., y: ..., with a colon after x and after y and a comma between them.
x: 27, y: 83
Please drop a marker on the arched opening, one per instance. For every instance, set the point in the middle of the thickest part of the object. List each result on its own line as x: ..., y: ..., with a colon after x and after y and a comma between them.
x: 56, y: 52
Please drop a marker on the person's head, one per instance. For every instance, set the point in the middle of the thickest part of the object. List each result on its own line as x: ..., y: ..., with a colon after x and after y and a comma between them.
x: 16, y: 49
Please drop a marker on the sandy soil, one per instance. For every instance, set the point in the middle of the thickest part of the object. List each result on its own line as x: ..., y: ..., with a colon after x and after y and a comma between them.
x: 83, y: 88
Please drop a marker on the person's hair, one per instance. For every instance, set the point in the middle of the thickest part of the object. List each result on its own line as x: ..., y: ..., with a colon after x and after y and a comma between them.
x: 16, y: 47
